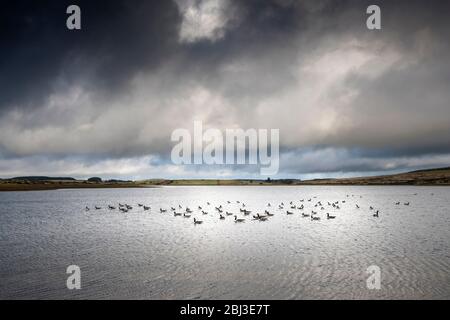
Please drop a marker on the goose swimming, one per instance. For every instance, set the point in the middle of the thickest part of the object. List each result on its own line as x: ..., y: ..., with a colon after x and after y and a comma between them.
x: 197, y: 221
x: 238, y: 220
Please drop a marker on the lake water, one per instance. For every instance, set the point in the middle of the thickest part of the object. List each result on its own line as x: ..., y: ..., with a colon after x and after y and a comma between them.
x: 152, y: 255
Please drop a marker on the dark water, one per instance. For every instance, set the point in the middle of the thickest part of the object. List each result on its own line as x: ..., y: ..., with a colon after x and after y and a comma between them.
x: 153, y: 255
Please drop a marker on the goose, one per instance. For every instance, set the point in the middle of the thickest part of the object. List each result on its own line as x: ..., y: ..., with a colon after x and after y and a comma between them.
x: 140, y: 205
x: 357, y: 207
x: 179, y: 206
x: 186, y: 215
x: 208, y: 203
x: 397, y: 203
x: 111, y: 207
x: 146, y: 208
x: 229, y: 213
x: 269, y: 214
x: 289, y: 212
x: 304, y: 215
x: 199, y: 208
x: 177, y: 214
x: 268, y: 204
x: 238, y: 220
x: 197, y: 221
x: 330, y: 217
x: 97, y: 208
x: 371, y: 208
x: 172, y: 208
x: 221, y: 217
x: 188, y: 210
x: 228, y: 201
x: 162, y: 210
x: 87, y: 208
x: 246, y: 212
x: 376, y: 214
x: 315, y: 218
x: 204, y: 212
x: 129, y: 207
x: 406, y: 203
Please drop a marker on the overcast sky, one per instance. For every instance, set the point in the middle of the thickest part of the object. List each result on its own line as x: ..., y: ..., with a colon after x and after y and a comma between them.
x: 104, y: 100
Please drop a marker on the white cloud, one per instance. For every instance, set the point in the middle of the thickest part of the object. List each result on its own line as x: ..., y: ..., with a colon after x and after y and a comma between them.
x: 203, y: 19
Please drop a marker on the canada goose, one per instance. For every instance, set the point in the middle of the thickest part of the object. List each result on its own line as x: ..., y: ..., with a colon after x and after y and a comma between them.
x: 87, y: 208
x: 186, y: 215
x: 197, y: 221
x: 289, y: 212
x: 188, y: 210
x: 177, y: 214
x: 371, y: 208
x: 162, y: 210
x: 304, y: 215
x: 269, y: 214
x: 204, y: 212
x: 315, y: 218
x: 111, y: 207
x: 221, y: 217
x: 129, y: 207
x: 357, y: 207
x: 238, y: 220
x: 97, y: 208
x: 172, y: 208
x: 406, y: 203
x: 146, y: 208
x: 397, y: 203
x: 376, y: 214
x: 140, y: 205
x: 246, y: 212
x: 229, y: 213
x: 330, y: 217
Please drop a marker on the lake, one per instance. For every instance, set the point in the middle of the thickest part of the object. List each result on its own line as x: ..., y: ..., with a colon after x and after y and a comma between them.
x: 152, y: 255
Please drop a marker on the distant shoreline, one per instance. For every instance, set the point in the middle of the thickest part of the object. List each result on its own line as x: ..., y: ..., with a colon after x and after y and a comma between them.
x: 431, y: 177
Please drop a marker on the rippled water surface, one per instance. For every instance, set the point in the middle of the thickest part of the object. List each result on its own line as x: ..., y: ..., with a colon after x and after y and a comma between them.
x: 152, y: 255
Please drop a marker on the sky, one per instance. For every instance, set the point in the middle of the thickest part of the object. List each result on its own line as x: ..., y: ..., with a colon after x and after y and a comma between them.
x: 104, y: 100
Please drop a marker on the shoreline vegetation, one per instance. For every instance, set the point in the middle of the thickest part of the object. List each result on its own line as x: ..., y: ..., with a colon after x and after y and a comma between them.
x: 430, y: 177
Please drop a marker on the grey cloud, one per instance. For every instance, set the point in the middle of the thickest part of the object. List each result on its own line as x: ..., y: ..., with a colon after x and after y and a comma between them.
x: 118, y: 88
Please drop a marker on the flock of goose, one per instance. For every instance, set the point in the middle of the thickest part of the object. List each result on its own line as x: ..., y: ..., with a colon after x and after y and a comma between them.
x: 312, y: 212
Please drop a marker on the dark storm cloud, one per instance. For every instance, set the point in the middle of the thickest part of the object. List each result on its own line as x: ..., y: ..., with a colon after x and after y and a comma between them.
x: 118, y: 39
